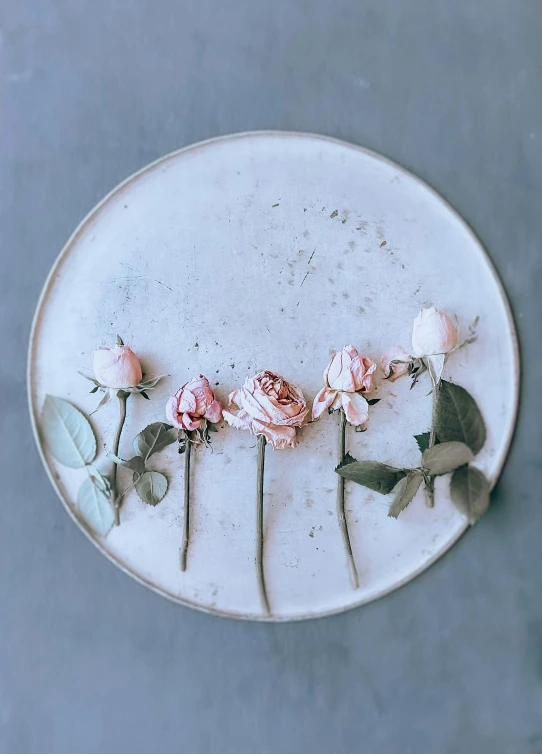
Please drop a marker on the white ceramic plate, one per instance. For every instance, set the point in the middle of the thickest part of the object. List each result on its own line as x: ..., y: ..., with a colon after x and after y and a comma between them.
x: 271, y: 250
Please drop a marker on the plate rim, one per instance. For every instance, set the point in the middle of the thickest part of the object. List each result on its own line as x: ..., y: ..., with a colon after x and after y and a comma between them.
x: 90, y: 216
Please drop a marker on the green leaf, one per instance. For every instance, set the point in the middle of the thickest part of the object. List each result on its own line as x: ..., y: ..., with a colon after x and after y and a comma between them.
x: 154, y: 438
x: 446, y: 457
x: 67, y: 432
x: 95, y: 508
x: 406, y: 493
x: 458, y: 418
x: 423, y: 440
x: 151, y: 486
x: 376, y: 476
x: 469, y: 491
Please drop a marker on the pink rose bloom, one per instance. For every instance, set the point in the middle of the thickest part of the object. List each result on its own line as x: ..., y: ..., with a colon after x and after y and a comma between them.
x: 395, y: 353
x: 347, y: 377
x: 268, y: 405
x: 193, y: 404
x: 433, y: 333
x: 117, y: 367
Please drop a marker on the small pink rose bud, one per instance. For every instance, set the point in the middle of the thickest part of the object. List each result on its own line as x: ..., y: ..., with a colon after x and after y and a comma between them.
x: 433, y: 333
x: 193, y: 404
x: 117, y: 367
x: 391, y: 371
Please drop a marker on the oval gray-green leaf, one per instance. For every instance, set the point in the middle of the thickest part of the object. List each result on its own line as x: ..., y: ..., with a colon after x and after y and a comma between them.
x: 406, y: 493
x: 458, y: 418
x: 153, y: 438
x: 376, y: 476
x: 95, y: 508
x: 469, y: 490
x: 446, y: 457
x: 151, y: 487
x: 67, y: 432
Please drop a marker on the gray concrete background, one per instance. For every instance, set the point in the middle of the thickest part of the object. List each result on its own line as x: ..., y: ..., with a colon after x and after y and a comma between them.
x: 89, y: 660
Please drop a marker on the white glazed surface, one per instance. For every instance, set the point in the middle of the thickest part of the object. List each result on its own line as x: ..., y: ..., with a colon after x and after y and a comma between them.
x: 191, y: 262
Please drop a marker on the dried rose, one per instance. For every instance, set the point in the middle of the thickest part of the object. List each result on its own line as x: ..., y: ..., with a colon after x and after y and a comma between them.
x: 268, y: 405
x: 392, y: 371
x: 348, y: 377
x: 193, y: 404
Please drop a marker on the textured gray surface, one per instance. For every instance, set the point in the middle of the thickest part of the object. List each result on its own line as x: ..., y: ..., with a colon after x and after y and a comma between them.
x: 91, y: 661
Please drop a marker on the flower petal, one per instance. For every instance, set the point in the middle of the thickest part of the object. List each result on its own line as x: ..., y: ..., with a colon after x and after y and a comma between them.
x: 214, y: 412
x: 172, y: 414
x: 356, y: 408
x: 187, y: 401
x: 323, y: 400
x: 278, y: 437
x: 241, y: 420
x: 190, y: 423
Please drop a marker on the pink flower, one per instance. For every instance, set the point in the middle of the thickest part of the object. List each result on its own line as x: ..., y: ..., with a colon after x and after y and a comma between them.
x: 391, y: 371
x: 193, y: 404
x: 268, y: 405
x: 433, y: 333
x: 117, y: 367
x: 347, y: 377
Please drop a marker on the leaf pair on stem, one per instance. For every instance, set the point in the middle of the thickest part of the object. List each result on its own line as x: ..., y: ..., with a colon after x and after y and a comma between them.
x: 459, y: 434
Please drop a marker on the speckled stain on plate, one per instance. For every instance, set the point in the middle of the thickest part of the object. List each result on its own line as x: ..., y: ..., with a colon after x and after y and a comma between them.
x: 270, y: 250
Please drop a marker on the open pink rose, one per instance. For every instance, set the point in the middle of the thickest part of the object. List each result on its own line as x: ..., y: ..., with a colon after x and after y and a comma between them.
x: 433, y: 333
x: 193, y: 404
x: 268, y: 405
x: 117, y: 367
x: 347, y: 377
x: 391, y: 371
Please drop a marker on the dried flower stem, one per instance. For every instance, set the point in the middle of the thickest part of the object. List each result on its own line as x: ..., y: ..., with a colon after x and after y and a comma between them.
x: 341, y: 513
x: 123, y: 397
x: 259, y: 524
x: 186, y: 518
x: 430, y: 481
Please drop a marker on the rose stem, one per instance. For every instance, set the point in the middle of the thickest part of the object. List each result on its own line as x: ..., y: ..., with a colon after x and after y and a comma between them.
x: 259, y: 523
x: 186, y: 521
x: 341, y: 513
x: 430, y: 484
x: 123, y: 397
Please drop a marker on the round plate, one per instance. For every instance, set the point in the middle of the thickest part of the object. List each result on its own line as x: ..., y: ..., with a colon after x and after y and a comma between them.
x: 270, y: 251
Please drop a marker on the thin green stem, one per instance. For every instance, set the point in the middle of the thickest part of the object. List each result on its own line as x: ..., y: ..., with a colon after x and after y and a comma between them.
x: 341, y: 512
x: 123, y: 397
x: 430, y: 483
x: 259, y: 524
x: 186, y: 510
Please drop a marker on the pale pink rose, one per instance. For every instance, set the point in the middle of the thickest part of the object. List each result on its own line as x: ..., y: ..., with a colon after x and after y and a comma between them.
x: 268, y: 405
x: 347, y: 378
x: 193, y: 404
x: 395, y: 353
x: 117, y: 367
x: 433, y: 333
